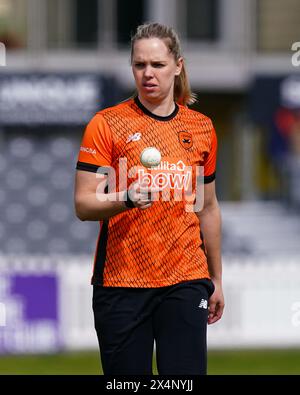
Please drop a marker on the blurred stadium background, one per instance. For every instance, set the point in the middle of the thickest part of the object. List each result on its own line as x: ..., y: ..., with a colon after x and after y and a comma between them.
x: 66, y: 59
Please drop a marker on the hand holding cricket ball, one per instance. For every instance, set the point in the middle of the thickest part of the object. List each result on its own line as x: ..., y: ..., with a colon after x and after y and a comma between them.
x: 141, y: 195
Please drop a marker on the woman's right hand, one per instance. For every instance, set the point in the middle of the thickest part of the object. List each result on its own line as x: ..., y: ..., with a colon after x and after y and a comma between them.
x: 142, y: 196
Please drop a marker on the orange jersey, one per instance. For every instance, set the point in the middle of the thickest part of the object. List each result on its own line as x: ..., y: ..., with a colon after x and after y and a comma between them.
x: 161, y: 245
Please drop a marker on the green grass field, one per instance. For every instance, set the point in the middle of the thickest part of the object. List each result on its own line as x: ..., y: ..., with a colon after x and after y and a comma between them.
x: 279, y: 362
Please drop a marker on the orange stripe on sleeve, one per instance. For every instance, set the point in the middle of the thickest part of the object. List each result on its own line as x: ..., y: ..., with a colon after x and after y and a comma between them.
x: 96, y: 145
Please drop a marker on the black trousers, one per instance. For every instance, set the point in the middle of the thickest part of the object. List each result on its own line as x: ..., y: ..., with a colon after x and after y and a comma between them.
x: 128, y: 320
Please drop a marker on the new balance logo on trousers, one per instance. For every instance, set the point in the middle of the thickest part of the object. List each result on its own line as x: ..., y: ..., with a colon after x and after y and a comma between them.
x: 203, y: 304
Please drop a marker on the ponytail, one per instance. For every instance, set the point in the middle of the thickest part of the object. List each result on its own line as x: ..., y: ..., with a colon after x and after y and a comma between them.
x: 182, y: 90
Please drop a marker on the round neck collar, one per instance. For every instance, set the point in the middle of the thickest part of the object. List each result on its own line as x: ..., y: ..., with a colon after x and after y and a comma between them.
x: 154, y: 116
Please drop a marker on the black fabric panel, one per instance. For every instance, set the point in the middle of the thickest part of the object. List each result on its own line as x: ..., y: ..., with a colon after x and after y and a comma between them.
x: 97, y: 278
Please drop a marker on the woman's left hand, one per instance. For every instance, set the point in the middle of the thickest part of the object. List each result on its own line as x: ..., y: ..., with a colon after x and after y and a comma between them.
x: 216, y: 303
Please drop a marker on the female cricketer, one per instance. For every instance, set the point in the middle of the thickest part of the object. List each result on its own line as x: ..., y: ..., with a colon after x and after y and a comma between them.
x: 157, y: 273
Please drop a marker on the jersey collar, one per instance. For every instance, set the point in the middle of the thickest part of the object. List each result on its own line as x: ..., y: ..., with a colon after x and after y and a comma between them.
x: 154, y: 116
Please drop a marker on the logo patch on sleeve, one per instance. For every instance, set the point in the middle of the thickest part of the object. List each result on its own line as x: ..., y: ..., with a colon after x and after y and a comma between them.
x: 88, y: 150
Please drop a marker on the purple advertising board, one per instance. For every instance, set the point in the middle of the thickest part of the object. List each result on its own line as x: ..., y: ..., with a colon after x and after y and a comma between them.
x: 30, y: 314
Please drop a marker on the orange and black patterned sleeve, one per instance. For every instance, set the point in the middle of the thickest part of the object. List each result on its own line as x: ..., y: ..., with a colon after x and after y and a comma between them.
x: 211, y: 159
x: 96, y: 146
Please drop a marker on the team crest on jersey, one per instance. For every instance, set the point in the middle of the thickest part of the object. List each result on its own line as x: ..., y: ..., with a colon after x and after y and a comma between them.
x: 185, y: 139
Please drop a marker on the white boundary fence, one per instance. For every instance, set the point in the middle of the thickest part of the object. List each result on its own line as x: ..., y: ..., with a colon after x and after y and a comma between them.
x: 262, y: 305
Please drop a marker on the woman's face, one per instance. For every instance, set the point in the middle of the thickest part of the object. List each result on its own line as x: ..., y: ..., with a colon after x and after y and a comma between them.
x: 154, y: 69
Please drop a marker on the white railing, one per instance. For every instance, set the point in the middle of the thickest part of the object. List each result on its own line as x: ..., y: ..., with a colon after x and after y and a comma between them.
x: 262, y: 304
x: 46, y: 304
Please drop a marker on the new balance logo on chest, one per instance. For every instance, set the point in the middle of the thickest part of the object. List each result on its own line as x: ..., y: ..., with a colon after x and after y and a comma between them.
x: 134, y: 137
